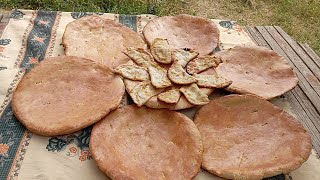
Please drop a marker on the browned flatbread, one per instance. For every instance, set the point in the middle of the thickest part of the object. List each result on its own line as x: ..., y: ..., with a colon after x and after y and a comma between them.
x: 155, y: 103
x: 141, y: 57
x: 183, y: 103
x: 211, y: 81
x: 184, y: 31
x: 170, y: 96
x: 144, y: 143
x: 133, y: 72
x: 161, y: 51
x: 65, y: 94
x: 202, y: 63
x: 256, y: 70
x: 183, y: 56
x: 178, y: 75
x: 194, y: 95
x: 100, y: 39
x: 159, y: 77
x: 142, y: 92
x: 130, y: 84
x: 246, y: 137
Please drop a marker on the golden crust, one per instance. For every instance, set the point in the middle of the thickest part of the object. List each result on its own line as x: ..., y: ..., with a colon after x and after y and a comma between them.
x: 144, y: 143
x: 155, y: 103
x: 211, y: 81
x: 130, y: 84
x: 71, y: 93
x: 161, y: 51
x: 178, y: 75
x: 183, y: 103
x: 202, y: 63
x: 194, y: 95
x: 141, y: 57
x: 159, y: 77
x: 252, y: 70
x: 100, y: 39
x: 183, y: 56
x: 132, y: 72
x: 170, y: 96
x: 142, y: 92
x: 246, y: 137
x: 184, y: 31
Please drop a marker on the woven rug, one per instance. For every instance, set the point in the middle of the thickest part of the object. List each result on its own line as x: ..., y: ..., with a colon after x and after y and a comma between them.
x: 31, y: 36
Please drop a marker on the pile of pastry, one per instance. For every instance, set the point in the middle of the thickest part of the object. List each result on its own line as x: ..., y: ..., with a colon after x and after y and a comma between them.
x: 167, y: 73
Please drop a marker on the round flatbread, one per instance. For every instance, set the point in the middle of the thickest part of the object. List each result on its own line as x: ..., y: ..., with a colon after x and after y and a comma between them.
x: 144, y: 143
x: 100, y: 39
x: 247, y: 137
x: 184, y: 31
x: 256, y: 70
x: 64, y: 94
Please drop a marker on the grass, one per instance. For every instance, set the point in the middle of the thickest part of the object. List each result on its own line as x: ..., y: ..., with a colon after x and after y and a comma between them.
x: 299, y: 18
x: 127, y: 7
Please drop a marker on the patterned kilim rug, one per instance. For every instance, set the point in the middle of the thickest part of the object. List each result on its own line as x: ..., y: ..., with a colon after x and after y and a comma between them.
x: 31, y: 36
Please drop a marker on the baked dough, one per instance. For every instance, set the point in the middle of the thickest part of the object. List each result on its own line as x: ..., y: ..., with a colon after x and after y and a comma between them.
x: 247, y: 137
x: 184, y: 31
x: 256, y: 70
x: 144, y: 143
x: 64, y: 94
x: 100, y: 39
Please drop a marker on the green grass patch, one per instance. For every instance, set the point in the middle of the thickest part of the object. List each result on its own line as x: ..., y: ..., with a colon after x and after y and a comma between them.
x: 121, y: 6
x: 299, y: 18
